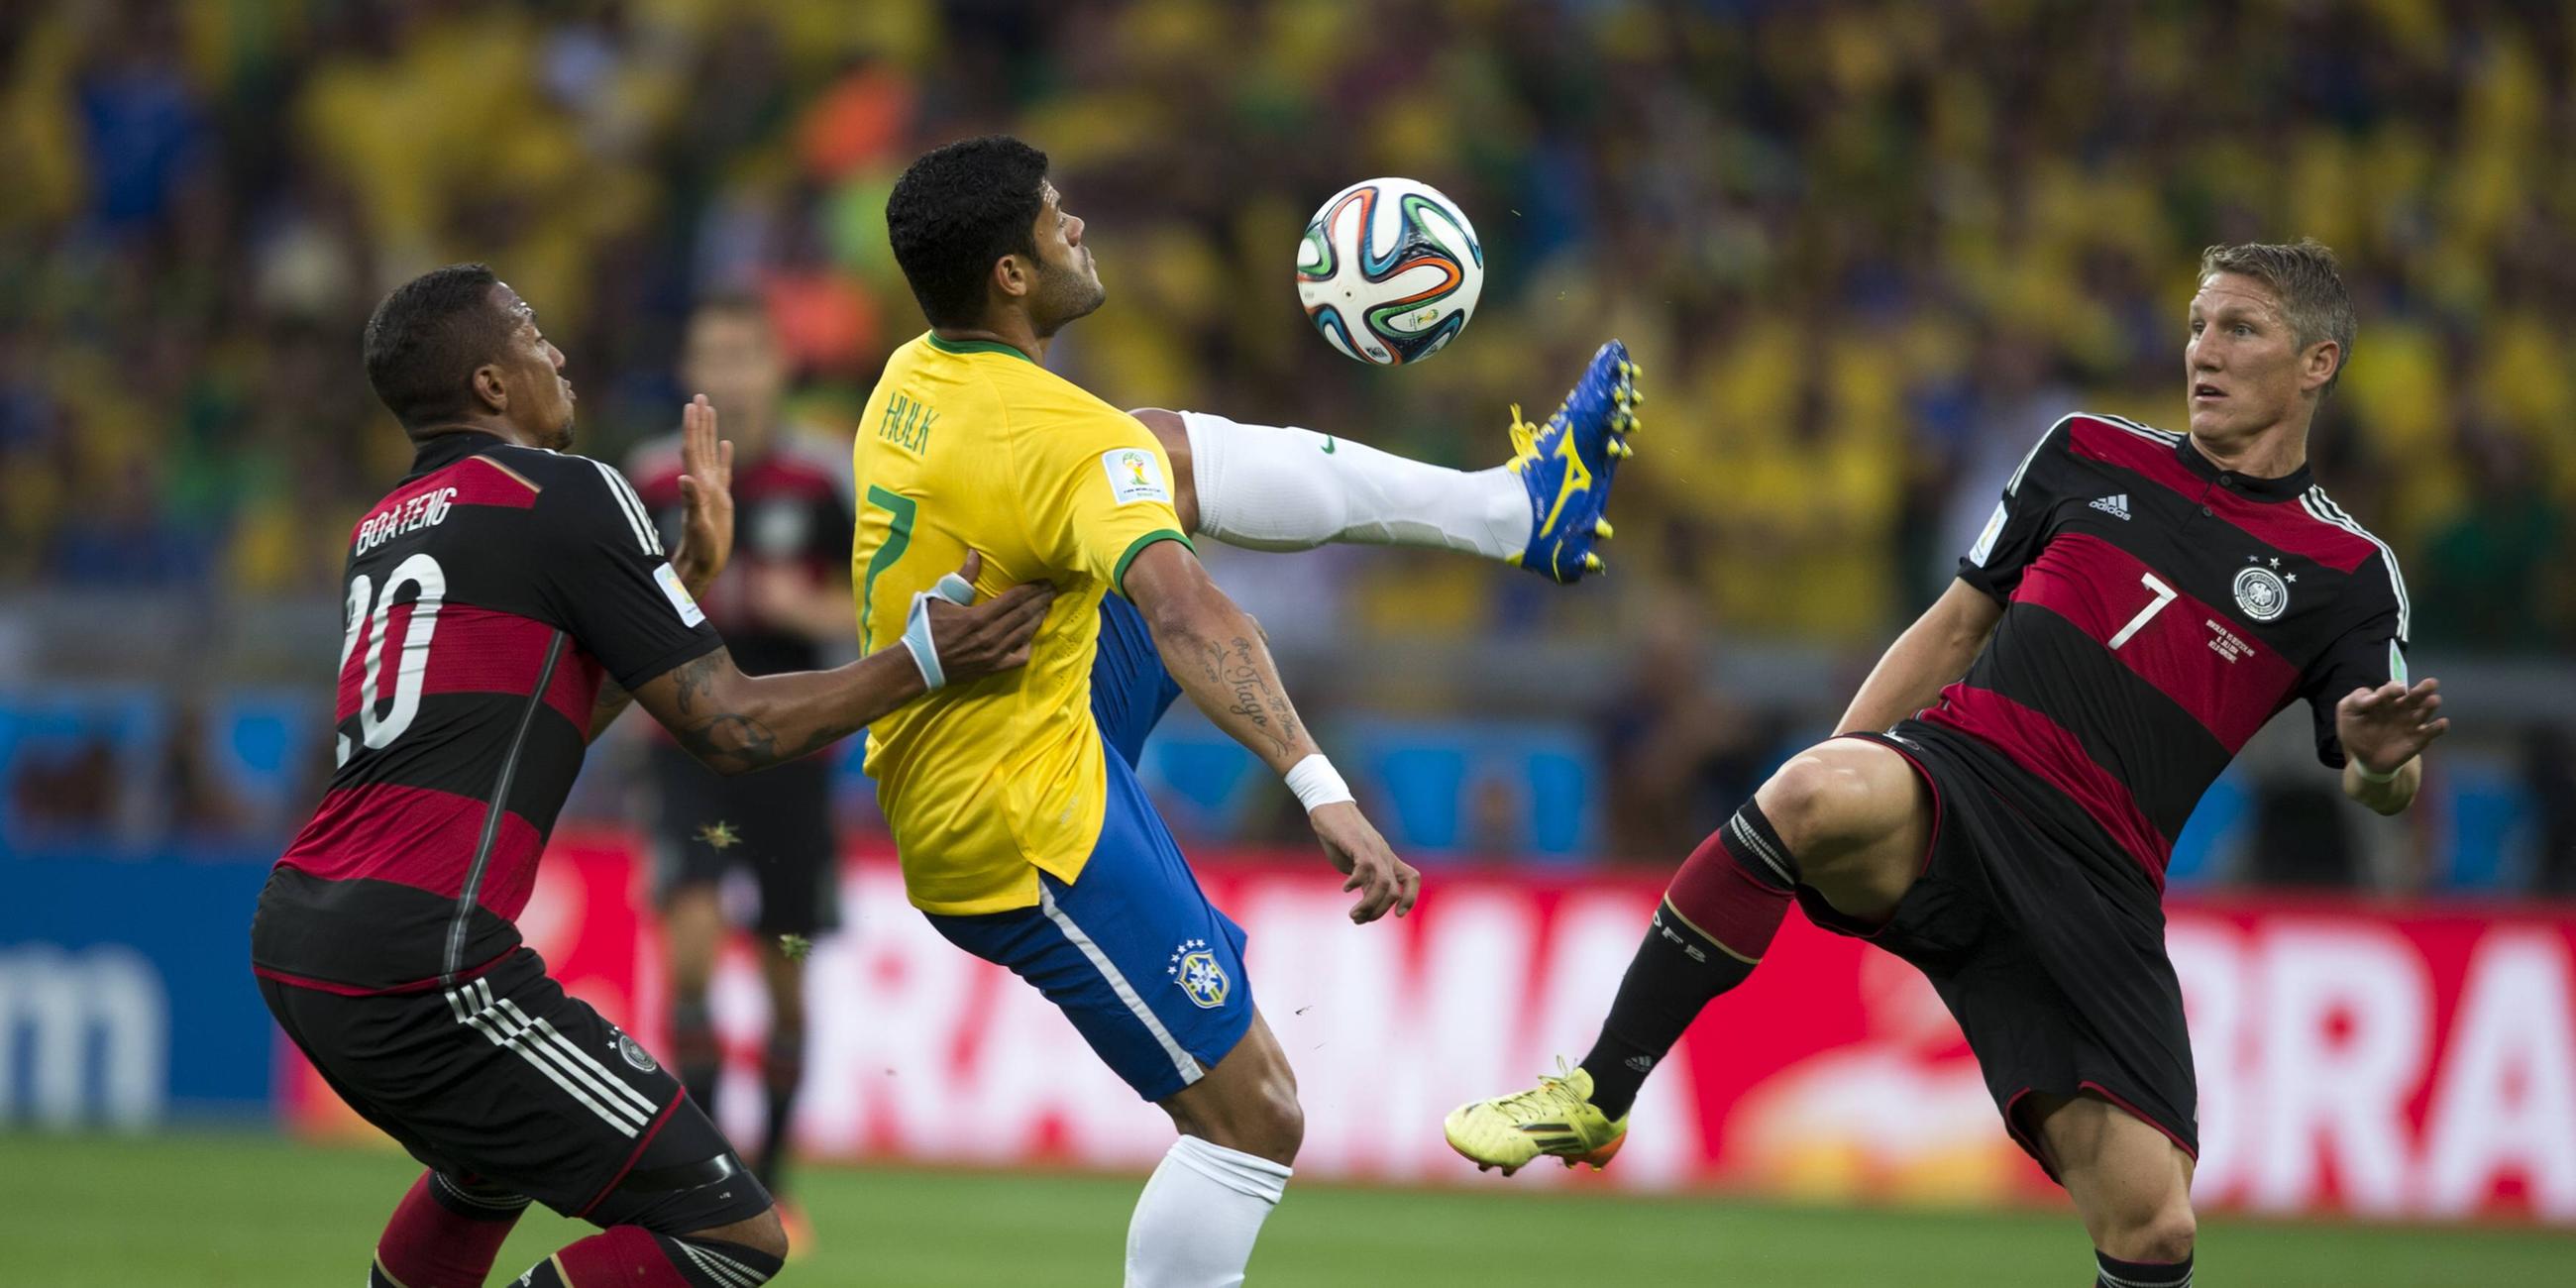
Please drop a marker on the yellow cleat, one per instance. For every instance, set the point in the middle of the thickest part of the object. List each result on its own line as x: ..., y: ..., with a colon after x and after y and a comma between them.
x: 1555, y: 1119
x: 1601, y: 528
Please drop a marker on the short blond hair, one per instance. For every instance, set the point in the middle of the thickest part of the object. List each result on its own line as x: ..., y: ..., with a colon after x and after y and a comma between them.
x: 2305, y: 280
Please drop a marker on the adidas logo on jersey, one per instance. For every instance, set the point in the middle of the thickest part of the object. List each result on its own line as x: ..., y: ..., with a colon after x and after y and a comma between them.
x: 2116, y: 506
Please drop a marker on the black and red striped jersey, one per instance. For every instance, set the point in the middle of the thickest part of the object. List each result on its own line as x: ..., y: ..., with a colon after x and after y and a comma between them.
x: 487, y: 595
x: 791, y: 507
x: 2158, y: 610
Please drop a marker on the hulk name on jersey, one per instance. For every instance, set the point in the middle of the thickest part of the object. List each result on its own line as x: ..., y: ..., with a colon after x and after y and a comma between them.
x: 2160, y: 610
x: 970, y: 445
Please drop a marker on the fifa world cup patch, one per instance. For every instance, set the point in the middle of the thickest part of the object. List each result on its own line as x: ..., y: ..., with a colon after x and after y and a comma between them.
x: 1195, y: 969
x: 681, y: 600
x: 1134, y: 475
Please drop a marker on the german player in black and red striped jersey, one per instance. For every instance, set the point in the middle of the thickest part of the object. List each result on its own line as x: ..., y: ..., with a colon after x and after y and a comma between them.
x: 503, y: 601
x: 2002, y: 795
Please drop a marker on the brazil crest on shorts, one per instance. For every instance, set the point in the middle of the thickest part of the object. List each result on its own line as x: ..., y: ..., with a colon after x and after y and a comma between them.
x: 1195, y: 969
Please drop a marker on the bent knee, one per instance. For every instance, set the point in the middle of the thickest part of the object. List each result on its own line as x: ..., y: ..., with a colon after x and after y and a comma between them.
x: 2165, y: 1236
x: 1263, y: 1120
x: 1822, y: 798
x: 1272, y: 1124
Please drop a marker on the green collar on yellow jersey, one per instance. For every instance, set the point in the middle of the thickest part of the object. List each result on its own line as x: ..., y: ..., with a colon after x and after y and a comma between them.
x: 976, y: 346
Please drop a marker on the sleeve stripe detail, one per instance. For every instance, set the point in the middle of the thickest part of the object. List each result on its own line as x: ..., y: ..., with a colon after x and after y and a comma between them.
x: 2013, y: 488
x: 631, y: 506
x: 626, y: 490
x: 1118, y: 576
x: 2324, y: 510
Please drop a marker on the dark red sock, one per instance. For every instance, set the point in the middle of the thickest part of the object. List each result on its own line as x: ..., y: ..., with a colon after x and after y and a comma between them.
x: 1715, y: 922
x: 444, y: 1235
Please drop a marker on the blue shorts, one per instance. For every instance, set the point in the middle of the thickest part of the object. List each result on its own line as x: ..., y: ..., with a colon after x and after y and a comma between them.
x: 1141, y: 962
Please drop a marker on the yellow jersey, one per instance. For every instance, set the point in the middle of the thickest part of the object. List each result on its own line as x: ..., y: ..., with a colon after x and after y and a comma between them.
x: 971, y: 445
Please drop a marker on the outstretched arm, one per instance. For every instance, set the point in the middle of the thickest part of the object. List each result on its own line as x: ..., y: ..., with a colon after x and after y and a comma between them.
x: 1932, y: 653
x: 1217, y: 653
x: 737, y: 723
x: 2384, y: 733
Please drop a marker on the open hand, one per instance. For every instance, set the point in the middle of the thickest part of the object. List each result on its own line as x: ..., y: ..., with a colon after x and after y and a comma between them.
x: 1384, y: 881
x: 2385, y: 727
x: 975, y: 640
x: 706, y: 498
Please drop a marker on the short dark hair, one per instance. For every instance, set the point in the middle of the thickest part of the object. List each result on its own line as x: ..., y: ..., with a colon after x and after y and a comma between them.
x: 2303, y: 276
x: 957, y: 210
x: 424, y: 342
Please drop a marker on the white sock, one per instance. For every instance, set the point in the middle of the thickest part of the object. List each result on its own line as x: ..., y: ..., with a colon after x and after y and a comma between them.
x: 1196, y: 1221
x: 1263, y: 487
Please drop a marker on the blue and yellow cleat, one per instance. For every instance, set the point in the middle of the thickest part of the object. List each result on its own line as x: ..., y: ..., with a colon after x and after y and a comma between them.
x: 1567, y: 464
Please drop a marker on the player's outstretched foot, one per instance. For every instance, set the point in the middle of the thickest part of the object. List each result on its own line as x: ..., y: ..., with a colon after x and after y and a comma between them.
x: 1554, y: 1119
x: 1567, y: 464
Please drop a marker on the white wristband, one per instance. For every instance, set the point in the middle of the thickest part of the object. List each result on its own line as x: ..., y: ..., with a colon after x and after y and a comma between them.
x: 1317, y: 783
x: 2368, y: 777
x: 916, y: 628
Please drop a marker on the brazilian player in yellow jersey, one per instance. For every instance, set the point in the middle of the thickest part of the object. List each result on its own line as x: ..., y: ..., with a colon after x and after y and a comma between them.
x: 1013, y: 800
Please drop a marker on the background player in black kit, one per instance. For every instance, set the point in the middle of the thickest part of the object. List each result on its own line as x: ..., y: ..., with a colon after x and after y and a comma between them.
x: 2141, y: 603
x: 503, y: 601
x: 786, y: 602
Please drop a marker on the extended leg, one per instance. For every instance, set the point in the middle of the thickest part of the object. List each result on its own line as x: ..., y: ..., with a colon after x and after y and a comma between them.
x: 2131, y: 1184
x: 1264, y: 487
x: 1240, y: 1128
x: 1849, y: 818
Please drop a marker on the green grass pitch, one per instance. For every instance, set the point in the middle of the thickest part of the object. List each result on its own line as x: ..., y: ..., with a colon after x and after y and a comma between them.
x: 258, y: 1212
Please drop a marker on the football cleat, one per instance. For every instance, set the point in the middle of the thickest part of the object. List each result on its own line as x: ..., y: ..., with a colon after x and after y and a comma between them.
x: 1555, y: 1119
x: 1567, y: 463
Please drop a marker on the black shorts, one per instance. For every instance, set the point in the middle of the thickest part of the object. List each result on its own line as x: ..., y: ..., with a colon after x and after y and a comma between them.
x: 505, y: 1080
x: 2052, y: 962
x: 775, y: 824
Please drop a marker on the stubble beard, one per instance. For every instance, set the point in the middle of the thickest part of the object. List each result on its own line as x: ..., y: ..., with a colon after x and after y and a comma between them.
x: 1070, y: 294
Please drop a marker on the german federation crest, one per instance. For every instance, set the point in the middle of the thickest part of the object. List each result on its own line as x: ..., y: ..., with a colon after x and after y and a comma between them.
x: 1195, y: 969
x: 635, y: 1053
x: 2261, y: 593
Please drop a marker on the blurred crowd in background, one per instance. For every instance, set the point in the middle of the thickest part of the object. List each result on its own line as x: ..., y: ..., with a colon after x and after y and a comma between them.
x: 1866, y: 252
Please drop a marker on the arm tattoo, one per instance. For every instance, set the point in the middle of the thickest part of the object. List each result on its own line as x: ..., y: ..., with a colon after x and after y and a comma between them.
x: 732, y: 741
x: 1236, y: 669
x: 695, y: 678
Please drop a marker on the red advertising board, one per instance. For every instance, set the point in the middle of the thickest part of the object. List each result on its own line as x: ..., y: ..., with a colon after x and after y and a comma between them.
x: 2410, y: 1062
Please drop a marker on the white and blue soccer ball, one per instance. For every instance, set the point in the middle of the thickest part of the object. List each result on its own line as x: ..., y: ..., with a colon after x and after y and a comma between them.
x: 1389, y: 271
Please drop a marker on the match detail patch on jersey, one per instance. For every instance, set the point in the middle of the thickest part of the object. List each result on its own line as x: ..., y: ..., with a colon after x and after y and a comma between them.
x: 681, y: 600
x: 1134, y: 475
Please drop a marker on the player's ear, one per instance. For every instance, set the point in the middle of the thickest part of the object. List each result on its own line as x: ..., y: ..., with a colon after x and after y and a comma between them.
x: 2318, y: 365
x: 490, y: 393
x: 1012, y: 276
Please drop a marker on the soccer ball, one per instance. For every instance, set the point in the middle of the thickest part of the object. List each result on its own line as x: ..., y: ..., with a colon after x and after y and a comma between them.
x: 1389, y: 271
